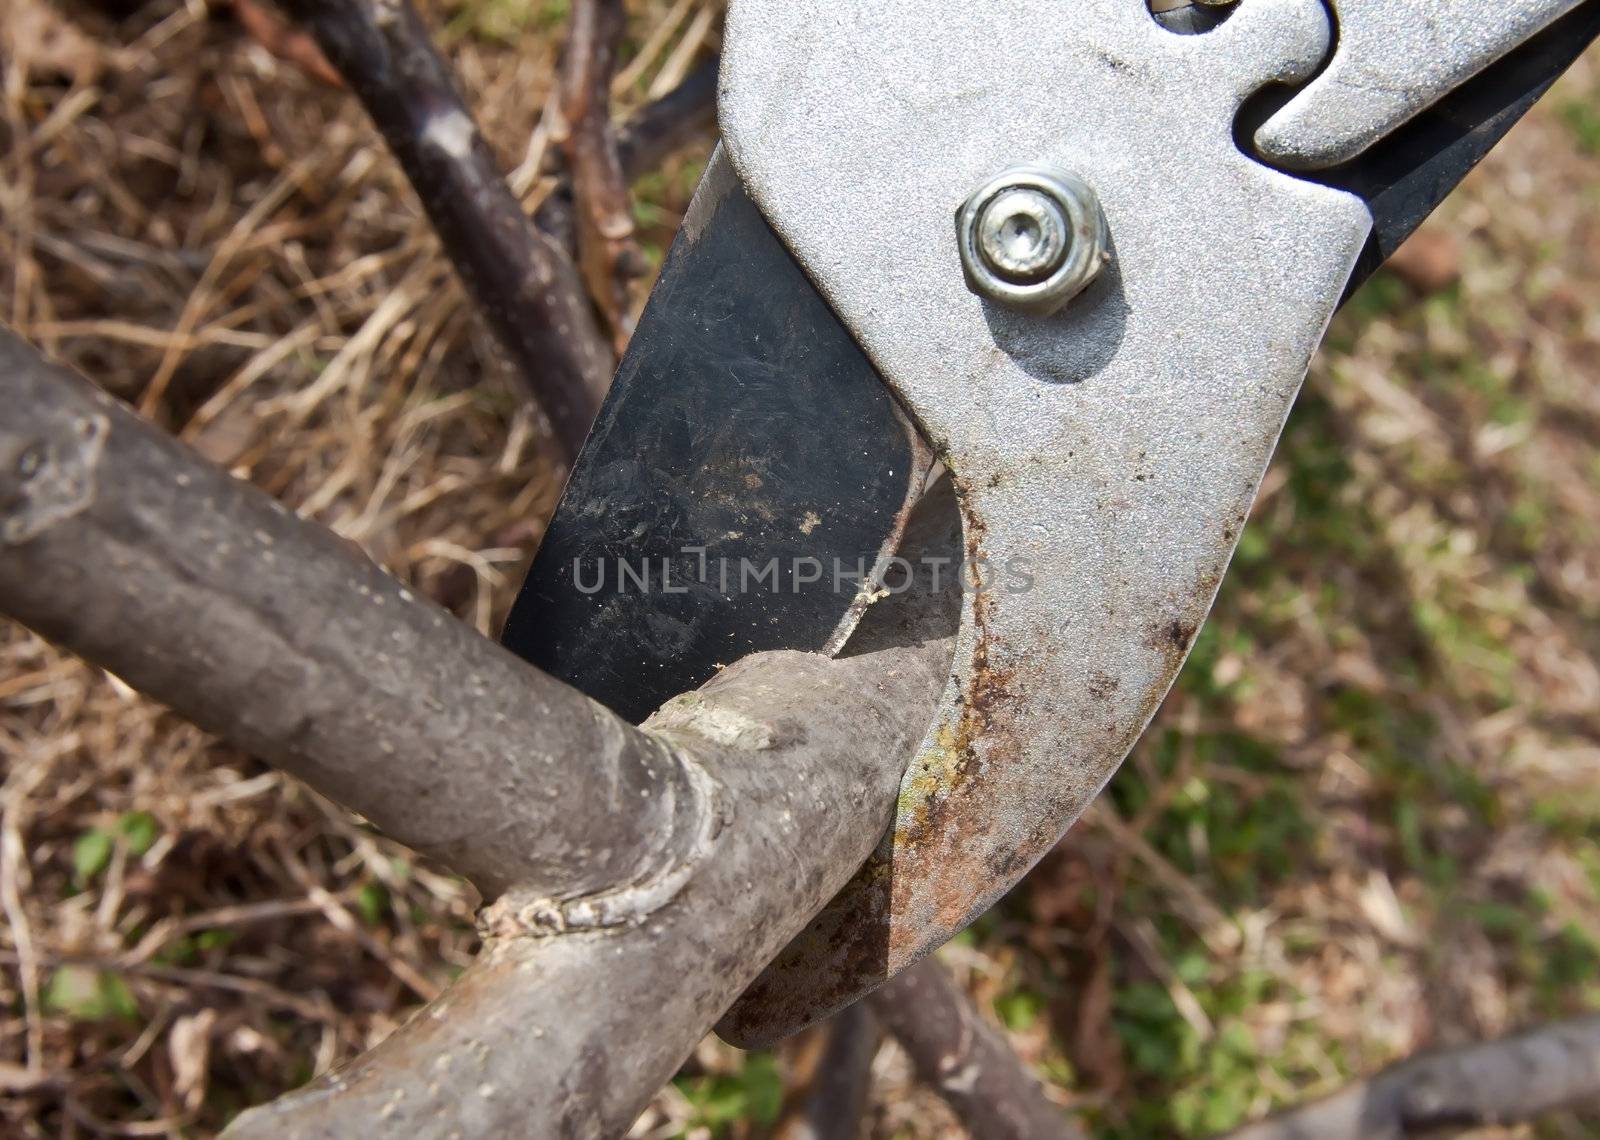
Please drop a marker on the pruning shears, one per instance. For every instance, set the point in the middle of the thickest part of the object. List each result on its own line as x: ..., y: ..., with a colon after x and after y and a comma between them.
x: 1077, y: 255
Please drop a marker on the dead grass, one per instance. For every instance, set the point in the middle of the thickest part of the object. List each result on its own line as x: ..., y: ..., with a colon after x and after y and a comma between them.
x: 1365, y: 823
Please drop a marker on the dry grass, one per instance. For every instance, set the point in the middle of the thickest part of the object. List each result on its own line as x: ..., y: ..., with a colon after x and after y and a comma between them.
x: 1365, y: 823
x: 218, y: 238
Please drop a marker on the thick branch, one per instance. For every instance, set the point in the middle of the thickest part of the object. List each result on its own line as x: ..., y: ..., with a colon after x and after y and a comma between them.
x: 1502, y: 1082
x: 123, y: 546
x: 670, y: 864
x: 520, y: 279
x: 607, y: 255
x: 807, y: 755
x: 955, y: 1052
x: 576, y: 1029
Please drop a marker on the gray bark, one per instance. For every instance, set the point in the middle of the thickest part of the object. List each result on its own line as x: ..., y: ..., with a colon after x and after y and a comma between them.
x: 831, y: 1078
x: 569, y: 1031
x: 120, y: 544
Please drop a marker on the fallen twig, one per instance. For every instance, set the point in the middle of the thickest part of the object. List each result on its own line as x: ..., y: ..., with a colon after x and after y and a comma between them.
x: 965, y: 1060
x: 1503, y: 1082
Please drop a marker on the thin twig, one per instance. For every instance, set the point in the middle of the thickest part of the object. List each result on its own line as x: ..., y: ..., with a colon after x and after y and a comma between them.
x: 17, y: 787
x: 686, y: 113
x: 186, y: 976
x: 342, y: 920
x: 521, y: 280
x: 607, y: 255
x: 667, y: 124
x: 1206, y: 917
x: 682, y: 58
x: 270, y: 30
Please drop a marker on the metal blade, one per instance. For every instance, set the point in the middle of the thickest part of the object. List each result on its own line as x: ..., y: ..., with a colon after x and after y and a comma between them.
x: 747, y: 477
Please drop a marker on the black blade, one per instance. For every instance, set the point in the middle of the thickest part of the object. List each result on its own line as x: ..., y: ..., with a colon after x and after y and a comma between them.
x: 747, y: 445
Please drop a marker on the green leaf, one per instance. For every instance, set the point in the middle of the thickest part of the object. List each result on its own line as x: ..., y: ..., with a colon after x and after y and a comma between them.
x: 764, y: 1088
x: 1225, y: 1108
x: 754, y: 1093
x: 85, y: 994
x: 372, y: 901
x: 179, y: 952
x: 1188, y: 1107
x: 91, y: 854
x: 1018, y: 1011
x: 1584, y: 122
x: 141, y: 831
x: 215, y: 939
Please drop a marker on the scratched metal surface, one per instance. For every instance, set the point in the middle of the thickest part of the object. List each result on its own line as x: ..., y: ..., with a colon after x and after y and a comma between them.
x: 692, y: 531
x: 1395, y: 58
x: 1113, y: 449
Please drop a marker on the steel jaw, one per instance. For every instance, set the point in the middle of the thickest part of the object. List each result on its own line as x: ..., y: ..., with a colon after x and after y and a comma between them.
x: 1110, y: 452
x: 1395, y: 57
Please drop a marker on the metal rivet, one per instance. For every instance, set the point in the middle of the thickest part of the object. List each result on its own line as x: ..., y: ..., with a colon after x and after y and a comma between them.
x: 1033, y: 237
x: 1191, y: 17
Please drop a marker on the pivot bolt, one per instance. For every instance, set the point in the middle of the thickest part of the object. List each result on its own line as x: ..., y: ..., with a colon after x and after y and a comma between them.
x: 1032, y: 237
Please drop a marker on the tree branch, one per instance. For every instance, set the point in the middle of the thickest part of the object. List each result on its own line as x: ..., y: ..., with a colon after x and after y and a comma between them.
x: 656, y: 130
x: 123, y: 546
x: 607, y: 256
x: 1502, y: 1082
x: 521, y: 279
x: 649, y: 875
x: 957, y: 1053
x: 577, y: 1028
x: 671, y: 122
x: 831, y: 1073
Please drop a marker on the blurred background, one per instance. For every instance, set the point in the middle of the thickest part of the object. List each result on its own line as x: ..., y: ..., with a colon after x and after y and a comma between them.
x: 1365, y: 823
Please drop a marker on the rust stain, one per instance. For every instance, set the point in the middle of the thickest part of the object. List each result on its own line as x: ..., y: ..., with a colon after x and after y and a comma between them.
x: 1173, y: 635
x: 1102, y: 685
x: 949, y: 776
x: 940, y: 863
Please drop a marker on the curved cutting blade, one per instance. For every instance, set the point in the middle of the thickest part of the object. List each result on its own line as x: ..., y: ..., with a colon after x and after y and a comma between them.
x: 748, y: 474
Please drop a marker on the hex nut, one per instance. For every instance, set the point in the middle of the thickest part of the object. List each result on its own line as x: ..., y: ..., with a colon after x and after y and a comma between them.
x: 1033, y: 237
